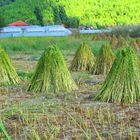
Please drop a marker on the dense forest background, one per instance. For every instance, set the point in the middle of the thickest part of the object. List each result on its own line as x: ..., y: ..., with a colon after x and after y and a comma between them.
x: 98, y: 13
x: 6, y: 2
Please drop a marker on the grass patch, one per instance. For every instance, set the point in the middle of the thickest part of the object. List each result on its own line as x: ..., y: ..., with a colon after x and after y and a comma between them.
x: 30, y: 45
x: 24, y: 75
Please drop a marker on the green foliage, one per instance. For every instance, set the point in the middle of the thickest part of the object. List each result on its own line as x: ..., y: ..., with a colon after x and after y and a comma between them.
x: 24, y: 75
x: 39, y: 15
x: 2, y: 21
x: 99, y: 13
x: 122, y: 84
x: 29, y: 45
x: 5, y: 2
x: 73, y: 22
x: 104, y: 60
x: 84, y: 59
x: 23, y: 10
x: 52, y: 74
x: 60, y: 17
x: 63, y: 15
x: 56, y: 14
x: 8, y: 75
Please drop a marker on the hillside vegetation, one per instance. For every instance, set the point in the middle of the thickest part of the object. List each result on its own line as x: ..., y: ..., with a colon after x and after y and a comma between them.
x: 95, y: 12
x: 5, y: 2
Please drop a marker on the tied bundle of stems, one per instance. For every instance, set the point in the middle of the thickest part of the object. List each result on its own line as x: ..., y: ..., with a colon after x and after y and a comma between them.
x: 8, y: 75
x: 122, y: 42
x: 122, y: 84
x: 113, y: 41
x: 84, y: 59
x: 138, y: 42
x: 135, y: 46
x: 104, y: 60
x: 52, y: 74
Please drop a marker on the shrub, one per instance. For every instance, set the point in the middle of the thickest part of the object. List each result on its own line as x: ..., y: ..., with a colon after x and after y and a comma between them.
x: 73, y: 22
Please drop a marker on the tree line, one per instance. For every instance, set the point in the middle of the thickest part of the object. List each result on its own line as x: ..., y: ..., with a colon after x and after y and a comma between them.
x: 98, y: 13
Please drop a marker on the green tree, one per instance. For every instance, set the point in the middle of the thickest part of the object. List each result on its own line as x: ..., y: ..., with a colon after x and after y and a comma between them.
x: 56, y: 14
x: 63, y: 15
x: 39, y: 15
x: 2, y: 21
x: 73, y: 22
x: 5, y: 2
x: 100, y: 13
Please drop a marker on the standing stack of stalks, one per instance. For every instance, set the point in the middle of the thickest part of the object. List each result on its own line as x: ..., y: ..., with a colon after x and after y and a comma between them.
x: 104, y: 60
x: 100, y: 36
x: 122, y: 42
x: 135, y: 46
x: 52, y: 74
x: 113, y: 41
x: 97, y: 37
x: 84, y: 59
x: 8, y: 75
x: 122, y: 84
x: 138, y: 42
